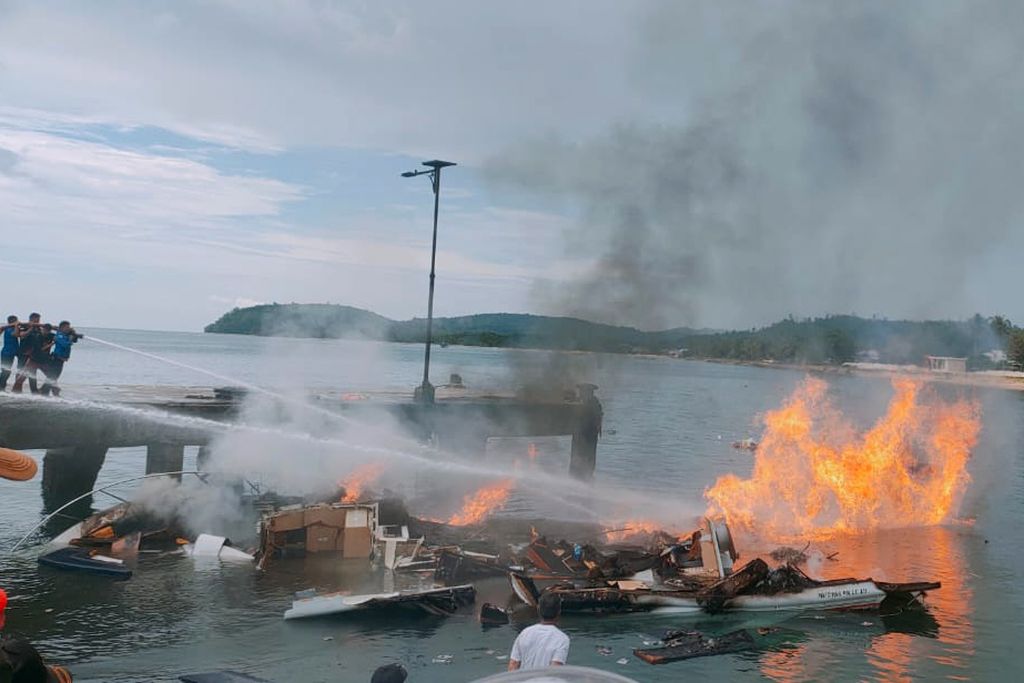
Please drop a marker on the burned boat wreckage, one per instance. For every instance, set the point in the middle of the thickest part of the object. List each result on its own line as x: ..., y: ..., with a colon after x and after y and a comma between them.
x: 697, y: 575
x: 660, y: 572
x: 105, y: 542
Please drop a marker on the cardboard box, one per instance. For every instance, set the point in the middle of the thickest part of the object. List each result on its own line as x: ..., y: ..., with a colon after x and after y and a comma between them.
x: 286, y: 520
x: 320, y: 538
x: 357, y: 542
x: 325, y: 515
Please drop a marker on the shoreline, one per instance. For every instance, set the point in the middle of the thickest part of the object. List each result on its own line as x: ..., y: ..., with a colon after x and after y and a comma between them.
x: 990, y: 379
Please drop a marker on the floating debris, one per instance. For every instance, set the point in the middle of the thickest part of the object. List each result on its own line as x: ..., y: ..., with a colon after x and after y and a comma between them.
x: 437, y: 601
x: 679, y: 645
x: 84, y: 559
x: 745, y: 445
x: 345, y: 529
x: 787, y: 555
x: 696, y: 574
x: 490, y: 615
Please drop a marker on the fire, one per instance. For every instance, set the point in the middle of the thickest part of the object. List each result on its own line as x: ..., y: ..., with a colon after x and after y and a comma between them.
x: 635, y: 527
x: 815, y: 477
x: 355, y: 483
x: 477, y: 506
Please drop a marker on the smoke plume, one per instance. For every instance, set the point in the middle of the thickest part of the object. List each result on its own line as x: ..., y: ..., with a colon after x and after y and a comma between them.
x: 794, y: 157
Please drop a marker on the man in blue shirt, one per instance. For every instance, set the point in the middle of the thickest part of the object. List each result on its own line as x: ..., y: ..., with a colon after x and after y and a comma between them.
x: 9, y: 350
x: 61, y: 354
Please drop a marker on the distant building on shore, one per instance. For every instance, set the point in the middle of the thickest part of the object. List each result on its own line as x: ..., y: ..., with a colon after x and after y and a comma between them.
x: 996, y: 356
x: 946, y: 364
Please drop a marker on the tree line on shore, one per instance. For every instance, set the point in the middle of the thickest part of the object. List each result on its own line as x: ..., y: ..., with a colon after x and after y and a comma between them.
x: 831, y: 339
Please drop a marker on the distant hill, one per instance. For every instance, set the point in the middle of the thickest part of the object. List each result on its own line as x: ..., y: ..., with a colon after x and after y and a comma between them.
x: 489, y: 329
x: 326, y: 321
x: 838, y: 339
x: 830, y: 339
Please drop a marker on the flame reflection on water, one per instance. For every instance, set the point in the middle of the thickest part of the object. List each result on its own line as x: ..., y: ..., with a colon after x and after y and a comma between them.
x: 894, y: 640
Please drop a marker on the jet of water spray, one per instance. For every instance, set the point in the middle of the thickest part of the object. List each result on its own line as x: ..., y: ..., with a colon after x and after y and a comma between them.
x: 254, y: 388
x: 549, y: 485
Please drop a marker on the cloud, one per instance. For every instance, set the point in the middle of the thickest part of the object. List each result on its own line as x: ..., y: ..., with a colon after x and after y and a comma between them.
x: 58, y: 178
x: 727, y: 163
x: 146, y: 228
x: 236, y: 302
x: 429, y: 79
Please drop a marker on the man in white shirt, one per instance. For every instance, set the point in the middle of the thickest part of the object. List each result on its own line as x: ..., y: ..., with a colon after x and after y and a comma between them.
x: 544, y: 644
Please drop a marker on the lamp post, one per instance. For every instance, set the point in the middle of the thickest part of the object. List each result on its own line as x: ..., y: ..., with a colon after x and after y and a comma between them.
x: 425, y: 392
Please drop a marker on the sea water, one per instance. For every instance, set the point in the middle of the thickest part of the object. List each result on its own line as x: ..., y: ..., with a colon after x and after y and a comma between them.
x: 668, y: 426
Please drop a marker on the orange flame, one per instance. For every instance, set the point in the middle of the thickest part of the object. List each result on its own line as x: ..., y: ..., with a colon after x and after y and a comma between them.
x: 815, y: 477
x: 477, y: 506
x: 355, y: 483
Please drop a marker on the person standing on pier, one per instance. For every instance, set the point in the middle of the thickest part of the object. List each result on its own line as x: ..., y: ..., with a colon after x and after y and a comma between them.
x: 9, y: 351
x: 30, y: 339
x: 62, y: 341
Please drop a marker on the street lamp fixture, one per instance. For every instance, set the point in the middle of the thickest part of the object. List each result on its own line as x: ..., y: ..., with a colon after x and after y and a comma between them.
x: 425, y: 392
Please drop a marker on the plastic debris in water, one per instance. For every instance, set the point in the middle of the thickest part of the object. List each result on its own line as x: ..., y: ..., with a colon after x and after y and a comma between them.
x: 443, y: 659
x: 622, y: 661
x: 604, y: 650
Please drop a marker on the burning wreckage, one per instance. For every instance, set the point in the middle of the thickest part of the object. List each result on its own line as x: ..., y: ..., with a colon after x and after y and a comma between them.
x: 106, y: 542
x: 697, y: 573
x: 692, y: 575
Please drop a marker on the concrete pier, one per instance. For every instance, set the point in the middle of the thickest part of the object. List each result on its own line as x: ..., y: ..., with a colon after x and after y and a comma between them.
x: 78, y: 429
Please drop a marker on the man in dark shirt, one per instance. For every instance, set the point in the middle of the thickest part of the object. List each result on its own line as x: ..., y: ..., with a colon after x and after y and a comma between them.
x: 9, y: 351
x: 30, y: 342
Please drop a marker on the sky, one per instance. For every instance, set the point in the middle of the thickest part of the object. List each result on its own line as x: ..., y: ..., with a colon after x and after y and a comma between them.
x: 644, y: 162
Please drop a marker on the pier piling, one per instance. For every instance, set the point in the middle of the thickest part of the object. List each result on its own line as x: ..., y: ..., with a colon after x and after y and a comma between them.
x: 70, y: 472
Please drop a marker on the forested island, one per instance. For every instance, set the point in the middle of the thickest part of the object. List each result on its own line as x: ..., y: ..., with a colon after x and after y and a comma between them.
x: 832, y: 339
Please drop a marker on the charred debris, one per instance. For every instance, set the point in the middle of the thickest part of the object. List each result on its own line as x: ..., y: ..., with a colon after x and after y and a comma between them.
x: 433, y: 566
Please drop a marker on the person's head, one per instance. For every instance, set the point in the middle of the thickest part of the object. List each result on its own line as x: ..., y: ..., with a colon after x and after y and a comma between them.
x: 389, y: 673
x: 549, y: 606
x: 64, y: 326
x: 23, y: 659
x: 12, y: 319
x: 47, y: 327
x: 34, y: 317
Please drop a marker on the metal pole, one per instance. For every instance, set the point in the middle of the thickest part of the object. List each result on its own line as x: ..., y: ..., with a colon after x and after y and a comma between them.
x: 426, y: 390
